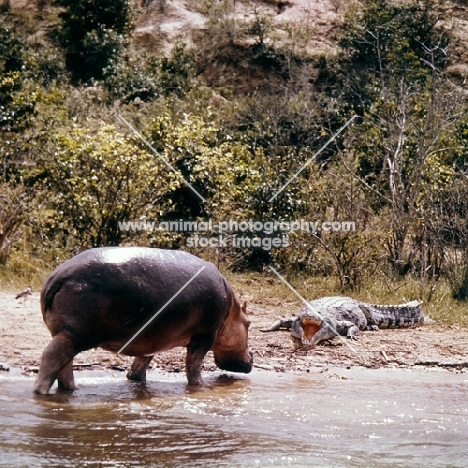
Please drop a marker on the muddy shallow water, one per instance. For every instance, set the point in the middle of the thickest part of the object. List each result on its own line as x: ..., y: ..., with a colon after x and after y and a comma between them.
x: 356, y: 417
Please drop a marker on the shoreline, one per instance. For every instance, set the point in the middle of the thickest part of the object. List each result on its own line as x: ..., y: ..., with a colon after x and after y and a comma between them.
x: 23, y: 336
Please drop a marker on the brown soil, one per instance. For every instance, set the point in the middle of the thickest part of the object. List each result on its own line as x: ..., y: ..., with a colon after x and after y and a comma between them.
x: 23, y: 337
x: 160, y: 24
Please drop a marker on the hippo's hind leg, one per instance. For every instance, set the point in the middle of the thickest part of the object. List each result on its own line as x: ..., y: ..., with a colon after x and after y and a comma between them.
x: 56, y: 362
x: 138, y: 369
x: 196, y: 350
x: 65, y: 378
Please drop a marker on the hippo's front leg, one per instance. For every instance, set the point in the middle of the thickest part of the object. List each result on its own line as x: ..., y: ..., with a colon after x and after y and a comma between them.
x: 196, y: 350
x: 138, y: 369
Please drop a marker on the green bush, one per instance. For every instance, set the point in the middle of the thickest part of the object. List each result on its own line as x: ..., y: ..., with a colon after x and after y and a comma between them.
x: 214, y: 164
x: 146, y: 78
x: 92, y: 34
x: 96, y: 180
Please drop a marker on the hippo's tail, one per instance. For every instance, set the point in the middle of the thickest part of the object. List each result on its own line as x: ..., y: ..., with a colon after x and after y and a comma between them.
x: 51, y: 287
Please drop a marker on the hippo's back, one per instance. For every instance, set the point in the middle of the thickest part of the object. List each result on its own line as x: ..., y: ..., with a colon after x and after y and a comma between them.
x: 108, y: 267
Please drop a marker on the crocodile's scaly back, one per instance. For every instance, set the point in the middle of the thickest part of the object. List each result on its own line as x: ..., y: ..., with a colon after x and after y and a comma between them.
x: 324, y: 318
x: 394, y: 316
x: 338, y: 308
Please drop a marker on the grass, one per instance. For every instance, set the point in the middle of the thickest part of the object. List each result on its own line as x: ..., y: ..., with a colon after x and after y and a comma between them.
x: 23, y: 270
x: 441, y: 307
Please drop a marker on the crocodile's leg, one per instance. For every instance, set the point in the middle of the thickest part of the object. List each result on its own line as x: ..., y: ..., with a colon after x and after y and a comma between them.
x: 348, y: 329
x: 371, y: 325
x: 281, y: 323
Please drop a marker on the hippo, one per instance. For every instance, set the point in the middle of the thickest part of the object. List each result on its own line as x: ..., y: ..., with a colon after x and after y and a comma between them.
x: 139, y: 301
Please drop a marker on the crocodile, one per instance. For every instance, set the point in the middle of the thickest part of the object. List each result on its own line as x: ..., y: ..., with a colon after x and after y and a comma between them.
x: 327, y: 317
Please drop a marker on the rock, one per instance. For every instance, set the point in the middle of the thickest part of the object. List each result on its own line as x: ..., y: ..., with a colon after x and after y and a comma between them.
x: 430, y: 361
x: 118, y: 368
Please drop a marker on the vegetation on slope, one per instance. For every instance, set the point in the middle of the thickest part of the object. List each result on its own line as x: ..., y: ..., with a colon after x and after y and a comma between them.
x: 90, y: 125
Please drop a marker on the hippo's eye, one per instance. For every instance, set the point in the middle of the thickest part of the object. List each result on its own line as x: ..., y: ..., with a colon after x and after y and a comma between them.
x: 248, y: 323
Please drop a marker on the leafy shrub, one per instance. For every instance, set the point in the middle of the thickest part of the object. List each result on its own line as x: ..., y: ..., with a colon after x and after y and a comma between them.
x: 214, y: 164
x: 93, y: 33
x: 11, y: 50
x: 126, y: 80
x: 97, y: 180
x: 147, y: 78
x: 16, y: 105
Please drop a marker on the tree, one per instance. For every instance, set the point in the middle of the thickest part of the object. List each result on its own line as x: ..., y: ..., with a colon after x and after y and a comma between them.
x: 394, y: 56
x: 387, y: 42
x: 13, y: 208
x: 92, y: 33
x: 18, y: 99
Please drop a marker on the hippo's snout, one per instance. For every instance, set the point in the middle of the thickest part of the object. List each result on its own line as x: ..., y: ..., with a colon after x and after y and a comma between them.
x: 235, y: 365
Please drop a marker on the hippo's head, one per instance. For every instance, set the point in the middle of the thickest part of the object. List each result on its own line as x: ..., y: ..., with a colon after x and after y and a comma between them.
x: 230, y: 349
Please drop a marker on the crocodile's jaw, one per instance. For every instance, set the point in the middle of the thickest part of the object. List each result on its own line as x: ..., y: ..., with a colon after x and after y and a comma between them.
x: 325, y: 333
x: 309, y: 331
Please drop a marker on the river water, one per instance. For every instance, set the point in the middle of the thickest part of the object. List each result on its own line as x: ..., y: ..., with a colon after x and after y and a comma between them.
x: 337, y: 418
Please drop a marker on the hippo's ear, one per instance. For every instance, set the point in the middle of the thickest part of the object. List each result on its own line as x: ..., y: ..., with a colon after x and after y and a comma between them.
x: 244, y: 307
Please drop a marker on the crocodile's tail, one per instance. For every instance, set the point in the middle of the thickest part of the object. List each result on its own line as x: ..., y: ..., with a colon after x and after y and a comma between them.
x: 396, y: 316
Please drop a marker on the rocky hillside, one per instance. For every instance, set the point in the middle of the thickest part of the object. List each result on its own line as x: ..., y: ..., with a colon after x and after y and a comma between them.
x: 306, y: 24
x: 161, y: 22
